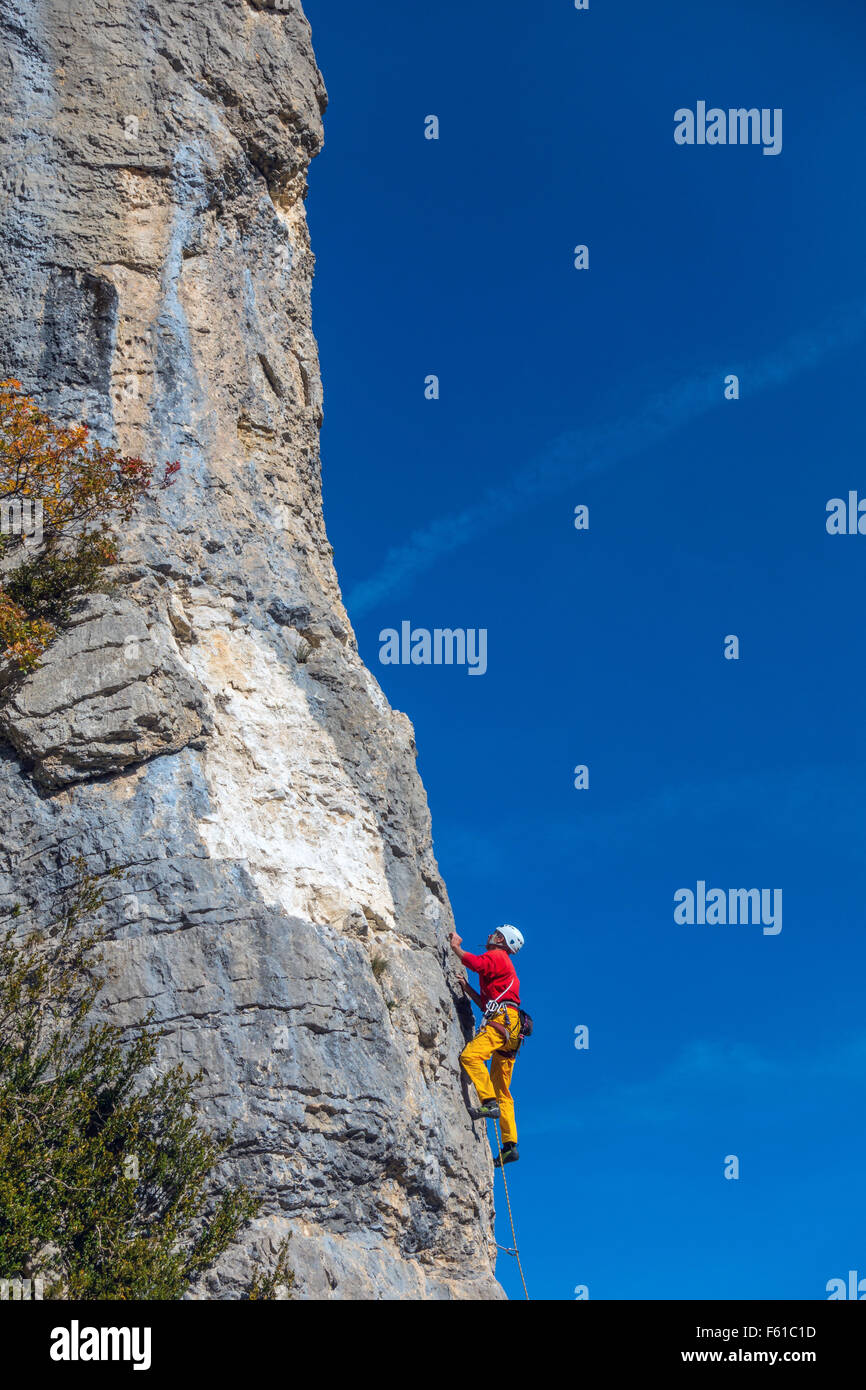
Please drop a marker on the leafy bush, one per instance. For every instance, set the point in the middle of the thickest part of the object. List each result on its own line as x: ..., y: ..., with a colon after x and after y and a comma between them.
x: 106, y: 1178
x: 81, y: 488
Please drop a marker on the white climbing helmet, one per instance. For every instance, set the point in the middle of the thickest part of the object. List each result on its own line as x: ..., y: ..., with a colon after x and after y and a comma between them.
x: 513, y: 937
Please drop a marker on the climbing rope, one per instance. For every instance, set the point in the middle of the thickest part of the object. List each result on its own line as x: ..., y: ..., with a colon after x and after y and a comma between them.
x: 515, y: 1252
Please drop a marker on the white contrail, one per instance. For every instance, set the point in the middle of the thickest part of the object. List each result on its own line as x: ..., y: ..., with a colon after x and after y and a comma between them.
x: 579, y: 454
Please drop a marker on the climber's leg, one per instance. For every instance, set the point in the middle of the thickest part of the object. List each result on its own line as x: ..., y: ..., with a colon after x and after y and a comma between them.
x: 500, y: 1076
x: 473, y: 1059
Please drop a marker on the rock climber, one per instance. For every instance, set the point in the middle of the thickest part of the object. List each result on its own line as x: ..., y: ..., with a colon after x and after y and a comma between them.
x: 499, y: 1036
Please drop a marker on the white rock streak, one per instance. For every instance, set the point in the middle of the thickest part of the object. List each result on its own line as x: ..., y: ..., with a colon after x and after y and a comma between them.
x: 282, y: 802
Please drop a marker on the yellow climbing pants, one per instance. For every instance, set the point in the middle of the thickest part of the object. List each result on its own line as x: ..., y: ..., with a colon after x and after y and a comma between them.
x: 490, y: 1044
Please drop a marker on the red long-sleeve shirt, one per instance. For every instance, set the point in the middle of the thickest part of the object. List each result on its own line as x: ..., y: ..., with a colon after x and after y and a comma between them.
x: 496, y: 976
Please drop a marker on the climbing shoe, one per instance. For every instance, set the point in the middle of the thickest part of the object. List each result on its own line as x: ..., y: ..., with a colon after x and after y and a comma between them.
x: 489, y: 1110
x: 509, y: 1155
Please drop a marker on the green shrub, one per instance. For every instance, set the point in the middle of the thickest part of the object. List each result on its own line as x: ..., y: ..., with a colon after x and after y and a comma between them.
x: 107, y: 1186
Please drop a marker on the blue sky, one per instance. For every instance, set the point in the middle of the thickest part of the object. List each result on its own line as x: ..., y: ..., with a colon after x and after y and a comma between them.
x: 707, y: 517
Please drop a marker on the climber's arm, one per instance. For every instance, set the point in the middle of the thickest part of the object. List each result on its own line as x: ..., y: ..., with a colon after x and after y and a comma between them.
x: 473, y: 993
x: 457, y: 946
x: 477, y: 963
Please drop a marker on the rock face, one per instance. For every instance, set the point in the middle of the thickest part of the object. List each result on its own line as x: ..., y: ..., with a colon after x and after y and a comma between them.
x: 207, y: 724
x: 112, y: 690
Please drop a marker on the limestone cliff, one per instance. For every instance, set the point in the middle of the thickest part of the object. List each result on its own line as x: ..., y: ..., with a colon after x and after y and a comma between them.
x: 208, y: 724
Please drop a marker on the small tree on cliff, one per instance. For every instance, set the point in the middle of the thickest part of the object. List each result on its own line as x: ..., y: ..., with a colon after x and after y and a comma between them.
x: 65, y: 489
x: 105, y: 1176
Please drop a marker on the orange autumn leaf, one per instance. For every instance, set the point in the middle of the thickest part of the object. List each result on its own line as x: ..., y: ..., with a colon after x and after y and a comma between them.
x: 79, y: 487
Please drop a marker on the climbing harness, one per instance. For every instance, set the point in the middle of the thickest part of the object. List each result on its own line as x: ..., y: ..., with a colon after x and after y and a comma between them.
x: 493, y: 1005
x: 496, y: 1016
x: 497, y: 1011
